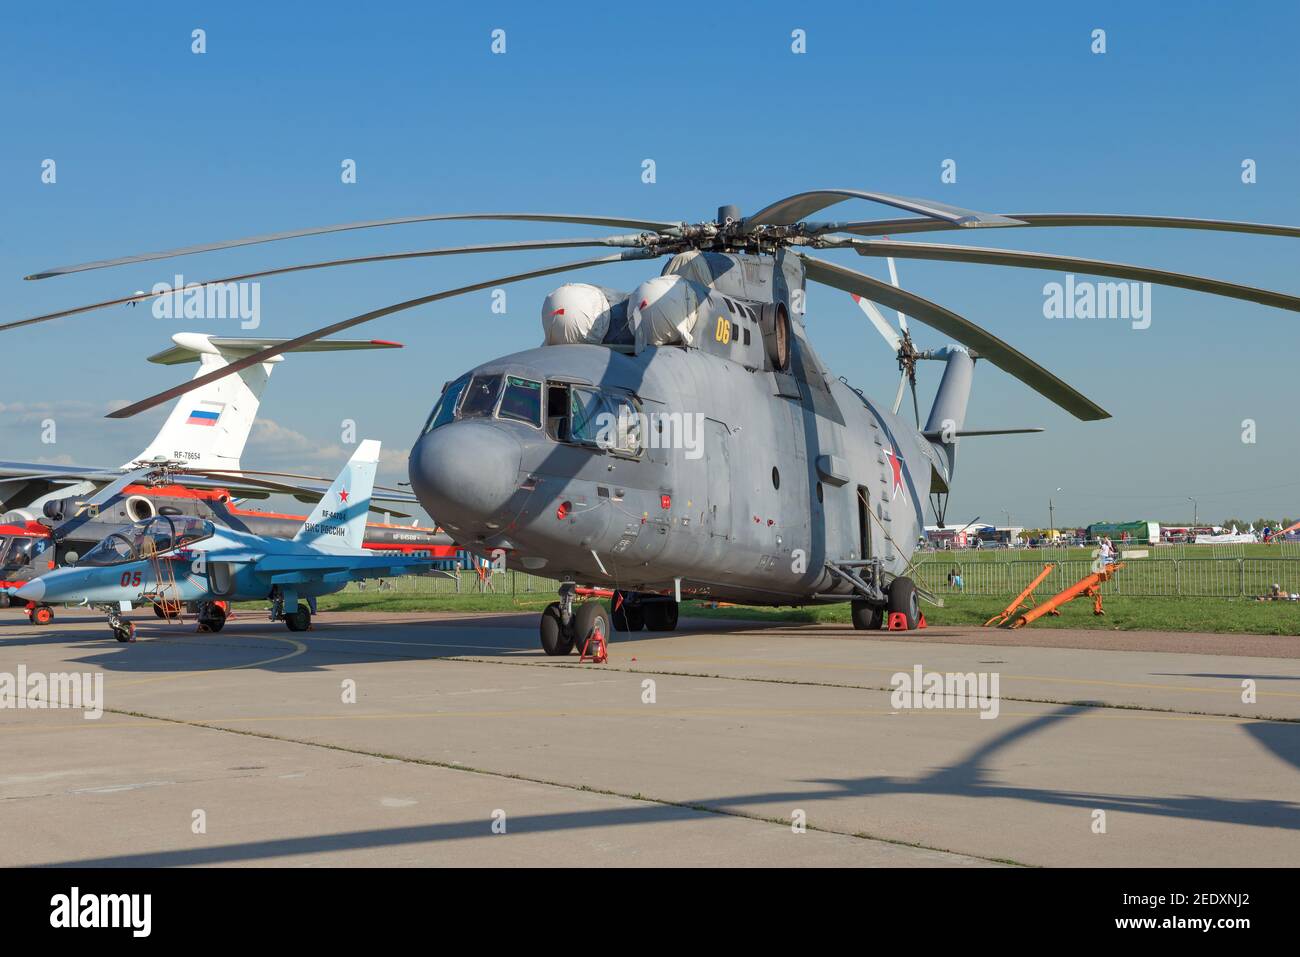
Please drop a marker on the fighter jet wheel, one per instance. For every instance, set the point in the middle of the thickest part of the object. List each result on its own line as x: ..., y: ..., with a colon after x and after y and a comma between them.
x: 300, y: 620
x: 124, y: 631
x: 212, y: 617
x: 591, y: 617
x: 902, y: 597
x: 626, y: 615
x: 661, y: 615
x: 867, y: 617
x: 556, y: 639
x: 41, y: 615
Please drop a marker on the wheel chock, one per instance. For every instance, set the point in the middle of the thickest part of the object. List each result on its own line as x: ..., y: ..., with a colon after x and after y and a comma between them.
x: 921, y: 622
x: 594, y: 650
x: 897, y: 621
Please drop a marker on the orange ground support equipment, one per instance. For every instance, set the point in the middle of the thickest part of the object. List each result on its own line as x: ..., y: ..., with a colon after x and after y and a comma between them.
x: 1090, y: 586
x: 1001, y: 618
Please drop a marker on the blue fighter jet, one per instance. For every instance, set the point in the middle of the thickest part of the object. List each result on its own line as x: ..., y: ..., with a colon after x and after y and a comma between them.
x: 175, y: 562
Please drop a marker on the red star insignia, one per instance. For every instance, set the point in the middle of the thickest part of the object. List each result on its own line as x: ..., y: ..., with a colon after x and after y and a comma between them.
x: 897, y: 463
x: 343, y: 495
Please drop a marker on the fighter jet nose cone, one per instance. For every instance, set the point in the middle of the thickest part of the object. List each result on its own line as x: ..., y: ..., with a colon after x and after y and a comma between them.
x: 34, y: 590
x: 465, y: 473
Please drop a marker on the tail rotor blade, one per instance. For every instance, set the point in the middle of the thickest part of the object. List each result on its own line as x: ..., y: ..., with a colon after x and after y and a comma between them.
x: 893, y: 277
x: 898, y: 396
x: 877, y: 320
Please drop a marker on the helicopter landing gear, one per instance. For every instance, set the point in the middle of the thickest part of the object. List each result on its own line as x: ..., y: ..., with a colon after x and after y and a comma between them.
x: 591, y: 629
x: 122, y: 630
x: 661, y: 615
x: 627, y: 611
x: 40, y: 615
x: 212, y: 617
x: 902, y: 598
x: 557, y: 623
x: 867, y: 617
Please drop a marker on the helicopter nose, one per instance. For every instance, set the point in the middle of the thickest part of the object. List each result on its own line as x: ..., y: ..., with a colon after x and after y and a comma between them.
x: 464, y: 473
x: 34, y: 590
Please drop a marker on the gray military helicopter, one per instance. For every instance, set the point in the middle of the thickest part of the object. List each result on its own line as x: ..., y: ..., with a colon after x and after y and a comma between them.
x: 684, y: 439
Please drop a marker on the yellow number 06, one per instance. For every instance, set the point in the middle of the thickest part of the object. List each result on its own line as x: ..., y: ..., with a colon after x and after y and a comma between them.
x: 722, y: 332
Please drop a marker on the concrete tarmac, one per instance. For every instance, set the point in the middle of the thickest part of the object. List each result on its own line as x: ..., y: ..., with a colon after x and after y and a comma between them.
x: 450, y: 739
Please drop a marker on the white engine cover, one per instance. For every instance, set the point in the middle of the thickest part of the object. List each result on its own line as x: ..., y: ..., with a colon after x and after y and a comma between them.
x: 664, y: 311
x: 575, y: 313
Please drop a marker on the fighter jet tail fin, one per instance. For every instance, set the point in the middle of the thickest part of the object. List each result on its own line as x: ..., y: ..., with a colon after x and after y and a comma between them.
x: 339, y: 518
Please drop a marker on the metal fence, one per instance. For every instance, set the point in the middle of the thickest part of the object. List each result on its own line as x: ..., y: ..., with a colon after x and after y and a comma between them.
x: 465, y: 583
x: 1142, y: 577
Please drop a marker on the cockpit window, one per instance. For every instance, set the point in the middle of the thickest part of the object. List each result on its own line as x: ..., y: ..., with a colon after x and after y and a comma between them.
x: 445, y: 408
x: 20, y: 551
x: 586, y: 406
x: 522, y: 401
x: 606, y: 420
x: 480, y: 396
x: 146, y: 538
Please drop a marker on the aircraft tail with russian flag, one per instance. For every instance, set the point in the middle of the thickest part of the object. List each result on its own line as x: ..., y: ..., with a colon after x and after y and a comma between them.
x: 208, y: 427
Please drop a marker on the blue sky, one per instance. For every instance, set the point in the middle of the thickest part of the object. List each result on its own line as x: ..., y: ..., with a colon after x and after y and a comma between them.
x: 158, y: 147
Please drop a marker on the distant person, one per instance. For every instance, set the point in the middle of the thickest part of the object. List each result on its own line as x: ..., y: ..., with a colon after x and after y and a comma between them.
x: 954, y: 579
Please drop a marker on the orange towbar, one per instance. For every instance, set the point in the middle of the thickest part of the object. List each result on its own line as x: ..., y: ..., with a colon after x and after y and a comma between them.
x: 1020, y: 599
x: 1089, y: 586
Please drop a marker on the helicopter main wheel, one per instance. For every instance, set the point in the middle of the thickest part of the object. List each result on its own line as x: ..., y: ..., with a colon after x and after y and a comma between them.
x: 212, y: 617
x: 625, y: 615
x: 867, y: 617
x: 300, y: 620
x: 556, y: 639
x: 41, y: 615
x: 902, y: 597
x: 592, y: 617
x: 661, y: 615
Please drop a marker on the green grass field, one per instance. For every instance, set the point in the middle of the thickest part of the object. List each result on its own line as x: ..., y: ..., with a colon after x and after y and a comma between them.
x: 1122, y: 614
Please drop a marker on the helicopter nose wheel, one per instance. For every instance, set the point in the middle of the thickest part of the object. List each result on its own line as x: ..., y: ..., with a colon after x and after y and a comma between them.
x: 557, y: 638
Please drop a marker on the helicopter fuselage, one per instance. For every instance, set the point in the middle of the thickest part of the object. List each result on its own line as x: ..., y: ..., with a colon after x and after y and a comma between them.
x: 722, y: 475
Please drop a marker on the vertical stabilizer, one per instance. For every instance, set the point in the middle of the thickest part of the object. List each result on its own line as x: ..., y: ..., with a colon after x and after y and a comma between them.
x: 339, y: 519
x: 948, y: 414
x: 208, y: 427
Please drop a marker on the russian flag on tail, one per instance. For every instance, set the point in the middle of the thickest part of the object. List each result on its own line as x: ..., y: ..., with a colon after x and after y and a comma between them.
x: 204, y: 417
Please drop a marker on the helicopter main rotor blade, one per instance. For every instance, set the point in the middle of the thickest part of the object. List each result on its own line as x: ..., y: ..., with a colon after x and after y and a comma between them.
x: 886, y: 227
x: 989, y: 346
x: 1095, y: 267
x: 624, y: 240
x: 793, y: 209
x: 290, y: 344
x: 610, y: 221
